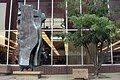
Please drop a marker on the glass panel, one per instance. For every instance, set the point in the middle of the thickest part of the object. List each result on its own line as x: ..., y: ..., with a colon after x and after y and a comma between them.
x: 115, y: 8
x: 106, y: 53
x: 74, y: 54
x: 116, y: 50
x: 46, y: 41
x: 3, y: 47
x: 13, y: 49
x: 2, y: 15
x: 59, y: 16
x: 59, y: 55
x: 45, y: 7
x: 104, y: 56
x: 13, y: 15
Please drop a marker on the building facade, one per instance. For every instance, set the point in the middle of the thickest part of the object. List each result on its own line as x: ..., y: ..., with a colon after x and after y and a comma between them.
x: 62, y: 57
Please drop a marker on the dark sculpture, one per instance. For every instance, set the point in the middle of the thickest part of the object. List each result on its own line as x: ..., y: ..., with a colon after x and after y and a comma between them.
x: 30, y: 37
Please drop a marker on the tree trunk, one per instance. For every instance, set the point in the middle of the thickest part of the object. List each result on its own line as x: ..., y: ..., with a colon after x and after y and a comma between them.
x: 95, y: 62
x: 96, y: 73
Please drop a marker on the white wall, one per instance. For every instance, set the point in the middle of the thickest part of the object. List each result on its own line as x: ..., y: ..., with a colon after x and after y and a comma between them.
x: 2, y: 22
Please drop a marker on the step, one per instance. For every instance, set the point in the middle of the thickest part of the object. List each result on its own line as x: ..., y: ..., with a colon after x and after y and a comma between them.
x: 27, y: 75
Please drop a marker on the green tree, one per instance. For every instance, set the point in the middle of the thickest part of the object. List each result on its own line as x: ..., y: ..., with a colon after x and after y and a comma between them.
x: 98, y: 7
x: 100, y: 28
x: 73, y: 7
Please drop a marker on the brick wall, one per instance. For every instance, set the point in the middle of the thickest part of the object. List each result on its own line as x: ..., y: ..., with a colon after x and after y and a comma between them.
x: 68, y: 69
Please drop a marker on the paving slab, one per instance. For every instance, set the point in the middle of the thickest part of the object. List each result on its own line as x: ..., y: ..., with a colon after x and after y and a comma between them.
x: 107, y: 76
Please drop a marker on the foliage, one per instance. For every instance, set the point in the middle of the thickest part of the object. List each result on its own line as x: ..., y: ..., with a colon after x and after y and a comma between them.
x: 59, y: 34
x: 73, y: 7
x: 96, y: 20
x: 94, y: 26
x: 98, y: 7
x: 100, y: 29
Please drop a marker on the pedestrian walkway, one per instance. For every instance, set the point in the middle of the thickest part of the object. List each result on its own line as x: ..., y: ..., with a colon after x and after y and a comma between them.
x: 107, y: 76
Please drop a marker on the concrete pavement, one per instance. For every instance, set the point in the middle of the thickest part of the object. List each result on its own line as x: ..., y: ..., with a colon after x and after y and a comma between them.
x: 107, y: 76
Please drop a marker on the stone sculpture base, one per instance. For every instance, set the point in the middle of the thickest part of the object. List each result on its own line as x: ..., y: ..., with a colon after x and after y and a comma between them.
x: 5, y: 69
x: 80, y: 73
x: 27, y: 75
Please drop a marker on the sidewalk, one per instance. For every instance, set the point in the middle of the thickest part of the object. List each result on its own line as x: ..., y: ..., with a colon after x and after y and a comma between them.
x: 108, y: 76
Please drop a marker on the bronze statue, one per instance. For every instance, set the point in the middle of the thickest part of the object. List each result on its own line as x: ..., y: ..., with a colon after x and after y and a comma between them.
x: 30, y: 37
